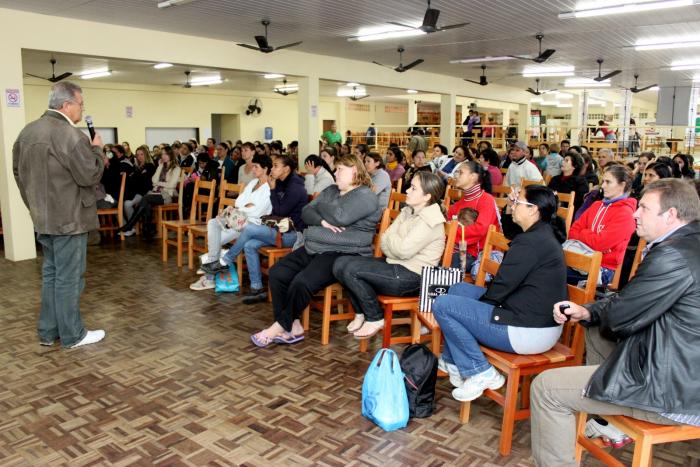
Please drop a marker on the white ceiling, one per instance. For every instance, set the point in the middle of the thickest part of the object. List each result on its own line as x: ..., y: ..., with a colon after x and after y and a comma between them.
x: 497, y: 27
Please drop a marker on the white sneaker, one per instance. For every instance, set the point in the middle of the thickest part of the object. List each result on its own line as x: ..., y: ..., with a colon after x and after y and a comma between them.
x: 203, y: 284
x: 611, y: 436
x: 200, y: 272
x: 90, y: 338
x: 356, y: 323
x: 129, y: 233
x: 451, y: 369
x: 474, y: 387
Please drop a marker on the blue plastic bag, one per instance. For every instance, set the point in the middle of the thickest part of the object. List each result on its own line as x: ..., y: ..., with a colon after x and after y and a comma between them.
x: 384, y: 399
x: 227, y: 281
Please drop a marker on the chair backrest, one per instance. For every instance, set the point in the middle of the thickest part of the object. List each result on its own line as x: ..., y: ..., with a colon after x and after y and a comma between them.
x: 637, y: 257
x: 226, y: 188
x: 395, y: 200
x: 450, y: 235
x: 524, y: 182
x: 572, y: 334
x: 200, y: 198
x: 397, y: 185
x: 387, y: 217
x: 120, y: 201
x: 497, y: 240
x: 500, y: 191
x: 451, y: 195
x: 180, y: 193
x: 566, y: 212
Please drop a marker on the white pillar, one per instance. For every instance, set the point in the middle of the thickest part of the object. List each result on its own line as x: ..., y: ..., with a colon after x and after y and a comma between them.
x: 625, y: 115
x: 448, y: 120
x: 309, y: 120
x: 412, y: 112
x: 18, y: 229
x: 579, y: 117
x: 692, y: 114
x: 524, y: 122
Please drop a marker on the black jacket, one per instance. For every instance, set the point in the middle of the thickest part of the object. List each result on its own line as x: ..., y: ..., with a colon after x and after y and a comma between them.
x: 531, y: 279
x: 139, y: 181
x: 656, y: 321
x: 289, y: 198
x: 578, y: 185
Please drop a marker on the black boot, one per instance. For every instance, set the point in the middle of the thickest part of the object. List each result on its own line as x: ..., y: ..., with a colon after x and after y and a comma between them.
x: 134, y: 219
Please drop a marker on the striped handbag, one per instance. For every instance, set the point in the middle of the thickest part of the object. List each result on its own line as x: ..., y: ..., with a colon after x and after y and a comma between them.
x: 435, y: 282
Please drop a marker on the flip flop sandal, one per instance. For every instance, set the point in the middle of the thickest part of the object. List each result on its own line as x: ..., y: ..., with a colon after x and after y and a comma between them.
x: 375, y: 329
x: 288, y: 339
x: 356, y: 323
x: 261, y: 340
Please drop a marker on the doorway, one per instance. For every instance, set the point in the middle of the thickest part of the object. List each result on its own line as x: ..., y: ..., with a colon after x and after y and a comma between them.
x: 226, y: 126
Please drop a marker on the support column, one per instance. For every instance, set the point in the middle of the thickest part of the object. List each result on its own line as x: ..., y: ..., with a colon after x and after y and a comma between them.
x: 625, y: 115
x: 524, y: 122
x: 309, y: 116
x: 18, y: 230
x: 448, y: 120
x: 579, y: 117
x: 412, y: 112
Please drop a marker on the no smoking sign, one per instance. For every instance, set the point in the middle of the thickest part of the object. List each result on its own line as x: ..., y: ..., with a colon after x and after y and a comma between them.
x: 12, y: 98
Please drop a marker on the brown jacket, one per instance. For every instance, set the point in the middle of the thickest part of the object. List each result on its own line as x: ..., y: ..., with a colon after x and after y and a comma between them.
x: 56, y: 169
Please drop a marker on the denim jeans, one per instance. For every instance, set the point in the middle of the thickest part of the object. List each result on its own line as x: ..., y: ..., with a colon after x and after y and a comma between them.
x: 365, y: 278
x: 574, y: 277
x: 62, y: 283
x: 466, y: 323
x: 251, y: 239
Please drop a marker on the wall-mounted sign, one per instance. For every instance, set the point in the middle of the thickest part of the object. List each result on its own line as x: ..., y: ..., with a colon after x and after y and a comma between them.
x: 12, y: 98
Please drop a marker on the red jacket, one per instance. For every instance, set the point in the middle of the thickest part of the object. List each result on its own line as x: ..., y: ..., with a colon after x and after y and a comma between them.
x: 475, y: 235
x: 607, y: 229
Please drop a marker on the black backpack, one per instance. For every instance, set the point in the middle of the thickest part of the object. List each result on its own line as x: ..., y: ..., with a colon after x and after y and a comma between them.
x: 420, y: 369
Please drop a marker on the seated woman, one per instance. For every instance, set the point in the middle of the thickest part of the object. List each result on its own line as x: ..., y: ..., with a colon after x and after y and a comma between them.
x: 319, y: 175
x: 288, y: 197
x: 254, y: 202
x: 328, y: 154
x: 514, y: 314
x: 608, y: 224
x: 490, y: 161
x: 569, y: 180
x: 394, y: 163
x: 475, y: 183
x: 164, y: 180
x: 459, y: 155
x: 381, y: 183
x: 342, y: 220
x: 419, y: 165
x: 415, y: 239
x: 138, y: 182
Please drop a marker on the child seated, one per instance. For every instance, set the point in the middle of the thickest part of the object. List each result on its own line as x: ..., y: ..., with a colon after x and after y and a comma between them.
x: 467, y: 216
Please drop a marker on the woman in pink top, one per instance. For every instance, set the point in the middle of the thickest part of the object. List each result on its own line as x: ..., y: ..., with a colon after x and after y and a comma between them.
x: 490, y: 161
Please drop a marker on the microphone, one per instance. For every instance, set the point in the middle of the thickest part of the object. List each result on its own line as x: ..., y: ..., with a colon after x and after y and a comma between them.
x: 91, y: 127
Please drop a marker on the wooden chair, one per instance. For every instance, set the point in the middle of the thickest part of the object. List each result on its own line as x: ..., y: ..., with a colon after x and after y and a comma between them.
x: 568, y: 352
x: 637, y: 257
x: 500, y: 194
x: 397, y: 185
x: 396, y: 199
x: 197, y: 232
x: 645, y: 434
x: 107, y: 216
x: 452, y: 195
x: 180, y: 227
x: 169, y: 211
x: 566, y: 212
x: 524, y: 183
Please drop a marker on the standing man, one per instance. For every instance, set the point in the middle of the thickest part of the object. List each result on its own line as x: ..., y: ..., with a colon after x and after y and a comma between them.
x: 641, y: 343
x: 332, y: 136
x: 56, y: 168
x: 371, y: 135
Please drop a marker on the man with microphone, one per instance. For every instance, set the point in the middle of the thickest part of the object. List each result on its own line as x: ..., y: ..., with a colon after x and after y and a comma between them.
x: 56, y: 167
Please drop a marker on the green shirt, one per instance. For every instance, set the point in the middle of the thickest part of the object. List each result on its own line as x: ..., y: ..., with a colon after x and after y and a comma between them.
x: 331, y: 137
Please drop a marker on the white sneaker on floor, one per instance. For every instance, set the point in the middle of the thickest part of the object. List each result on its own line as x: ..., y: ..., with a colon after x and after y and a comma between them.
x: 474, y: 386
x: 129, y: 233
x: 90, y: 338
x: 451, y: 369
x: 200, y: 272
x: 611, y: 435
x: 203, y: 283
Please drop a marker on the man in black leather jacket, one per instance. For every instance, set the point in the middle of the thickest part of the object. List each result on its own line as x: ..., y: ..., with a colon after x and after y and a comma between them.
x: 652, y: 329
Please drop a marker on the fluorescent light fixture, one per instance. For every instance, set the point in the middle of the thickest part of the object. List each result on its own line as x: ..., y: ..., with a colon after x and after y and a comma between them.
x: 536, y: 100
x: 287, y: 87
x: 562, y: 95
x: 169, y: 3
x: 687, y: 64
x: 98, y: 73
x: 696, y: 79
x: 349, y: 92
x: 659, y: 43
x: 655, y: 88
x: 206, y: 80
x: 353, y: 85
x: 385, y: 32
x: 273, y: 76
x: 595, y: 102
x: 160, y: 66
x: 549, y: 103
x: 535, y: 71
x: 564, y: 106
x: 686, y: 67
x: 586, y: 83
x: 411, y: 91
x: 590, y: 9
x: 483, y: 59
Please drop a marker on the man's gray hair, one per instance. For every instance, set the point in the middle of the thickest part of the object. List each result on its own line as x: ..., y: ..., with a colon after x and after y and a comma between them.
x: 607, y: 151
x: 62, y: 92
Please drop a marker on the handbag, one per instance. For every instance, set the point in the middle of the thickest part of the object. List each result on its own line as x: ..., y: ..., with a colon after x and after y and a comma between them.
x: 227, y: 281
x: 435, y: 282
x: 232, y: 218
x: 282, y: 224
x: 384, y: 398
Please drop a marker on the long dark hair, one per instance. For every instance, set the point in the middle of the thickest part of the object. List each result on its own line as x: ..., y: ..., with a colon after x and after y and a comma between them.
x: 687, y: 170
x: 484, y: 175
x: 662, y: 169
x: 547, y: 203
x: 316, y: 161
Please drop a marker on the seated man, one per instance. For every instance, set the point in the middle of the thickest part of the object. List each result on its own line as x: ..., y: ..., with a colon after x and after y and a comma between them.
x: 649, y: 368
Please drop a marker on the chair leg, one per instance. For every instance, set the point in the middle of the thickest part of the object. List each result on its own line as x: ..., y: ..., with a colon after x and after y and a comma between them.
x: 525, y: 392
x: 164, y: 239
x: 388, y: 314
x: 436, y: 340
x: 581, y: 419
x: 190, y: 250
x: 305, y: 319
x: 239, y: 270
x: 509, y: 408
x: 179, y: 248
x: 326, y: 322
x: 415, y: 327
x: 642, y: 452
x: 464, y: 409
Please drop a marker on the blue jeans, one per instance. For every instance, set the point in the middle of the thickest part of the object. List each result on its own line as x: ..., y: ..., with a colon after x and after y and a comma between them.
x: 62, y: 283
x: 253, y: 237
x: 466, y: 323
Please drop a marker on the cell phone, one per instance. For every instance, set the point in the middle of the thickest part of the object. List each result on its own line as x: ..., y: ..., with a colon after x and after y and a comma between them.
x: 563, y: 307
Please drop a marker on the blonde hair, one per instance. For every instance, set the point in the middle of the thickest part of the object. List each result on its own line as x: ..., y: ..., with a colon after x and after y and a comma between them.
x: 362, y: 177
x: 147, y: 159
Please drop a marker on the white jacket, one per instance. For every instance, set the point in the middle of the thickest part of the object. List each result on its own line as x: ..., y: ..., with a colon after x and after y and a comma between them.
x: 260, y: 199
x: 521, y: 170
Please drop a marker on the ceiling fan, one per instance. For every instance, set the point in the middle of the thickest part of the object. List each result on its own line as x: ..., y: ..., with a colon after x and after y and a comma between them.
x: 430, y: 20
x: 263, y: 45
x: 401, y: 68
x: 636, y: 89
x: 53, y: 78
x: 605, y: 77
x: 542, y: 57
x: 537, y: 91
x: 187, y: 84
x: 355, y: 96
x: 482, y: 79
x: 284, y: 89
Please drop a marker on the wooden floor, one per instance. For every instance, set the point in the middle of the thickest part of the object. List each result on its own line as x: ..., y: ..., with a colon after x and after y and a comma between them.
x: 177, y: 382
